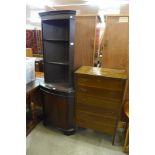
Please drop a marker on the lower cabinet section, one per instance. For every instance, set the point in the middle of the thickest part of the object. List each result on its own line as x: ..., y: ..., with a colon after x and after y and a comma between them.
x: 58, y: 109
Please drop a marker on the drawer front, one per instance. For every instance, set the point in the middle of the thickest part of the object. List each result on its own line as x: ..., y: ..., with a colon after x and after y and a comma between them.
x: 97, y: 106
x: 98, y: 92
x: 99, y: 102
x: 96, y: 110
x: 100, y: 82
x: 96, y: 122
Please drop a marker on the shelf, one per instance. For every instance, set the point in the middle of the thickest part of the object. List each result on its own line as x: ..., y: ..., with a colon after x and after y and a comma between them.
x: 56, y: 29
x: 56, y: 51
x: 56, y: 72
x: 58, y: 63
x: 60, y: 86
x: 56, y: 40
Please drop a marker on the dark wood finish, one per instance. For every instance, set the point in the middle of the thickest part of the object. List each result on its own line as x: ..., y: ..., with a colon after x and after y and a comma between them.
x: 33, y: 105
x: 58, y: 46
x: 99, y: 97
x: 58, y: 108
x: 58, y: 52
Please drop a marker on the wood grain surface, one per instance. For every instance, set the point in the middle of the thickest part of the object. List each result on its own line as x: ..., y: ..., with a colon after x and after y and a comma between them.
x: 85, y: 33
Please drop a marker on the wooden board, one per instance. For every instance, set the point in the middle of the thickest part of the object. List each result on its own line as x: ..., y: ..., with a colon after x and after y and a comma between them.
x: 85, y: 33
x: 116, y: 46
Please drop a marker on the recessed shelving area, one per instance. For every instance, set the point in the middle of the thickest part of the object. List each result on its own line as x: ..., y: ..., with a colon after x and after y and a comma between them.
x: 57, y: 29
x: 56, y: 73
x: 56, y: 51
x: 58, y: 46
x: 55, y: 40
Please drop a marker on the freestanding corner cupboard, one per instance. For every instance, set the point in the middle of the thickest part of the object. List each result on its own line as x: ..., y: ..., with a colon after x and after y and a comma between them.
x: 58, y: 52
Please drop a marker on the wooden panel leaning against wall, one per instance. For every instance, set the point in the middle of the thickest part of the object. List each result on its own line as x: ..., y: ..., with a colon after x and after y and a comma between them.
x: 85, y: 40
x: 115, y: 44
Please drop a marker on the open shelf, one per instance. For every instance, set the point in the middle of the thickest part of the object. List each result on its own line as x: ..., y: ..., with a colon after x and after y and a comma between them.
x: 57, y: 29
x: 56, y: 73
x: 56, y: 51
x: 60, y: 86
x: 55, y: 40
x: 58, y: 63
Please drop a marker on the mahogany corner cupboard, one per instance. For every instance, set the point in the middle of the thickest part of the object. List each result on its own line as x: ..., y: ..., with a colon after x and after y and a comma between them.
x: 58, y: 54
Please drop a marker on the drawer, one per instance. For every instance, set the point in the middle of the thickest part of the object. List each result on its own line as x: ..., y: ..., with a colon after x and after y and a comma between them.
x: 98, y: 92
x: 96, y: 110
x: 100, y: 82
x: 99, y: 102
x: 96, y: 122
x: 93, y: 105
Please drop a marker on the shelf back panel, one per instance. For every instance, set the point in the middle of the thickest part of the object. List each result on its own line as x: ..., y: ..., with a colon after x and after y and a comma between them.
x: 56, y: 29
x: 56, y: 51
x: 56, y: 73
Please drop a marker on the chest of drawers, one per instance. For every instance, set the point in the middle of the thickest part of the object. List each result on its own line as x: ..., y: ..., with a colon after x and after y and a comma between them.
x: 99, y: 98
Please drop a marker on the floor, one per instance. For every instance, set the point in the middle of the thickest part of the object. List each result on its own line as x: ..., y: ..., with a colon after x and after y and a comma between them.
x: 49, y: 141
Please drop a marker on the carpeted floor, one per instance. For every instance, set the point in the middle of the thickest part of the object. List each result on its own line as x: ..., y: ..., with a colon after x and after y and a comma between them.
x: 49, y: 141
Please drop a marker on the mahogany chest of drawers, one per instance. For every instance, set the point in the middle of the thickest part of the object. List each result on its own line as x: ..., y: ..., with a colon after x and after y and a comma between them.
x: 99, y: 98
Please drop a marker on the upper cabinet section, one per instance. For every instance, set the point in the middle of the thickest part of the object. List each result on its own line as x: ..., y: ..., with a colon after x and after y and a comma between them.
x: 58, y: 46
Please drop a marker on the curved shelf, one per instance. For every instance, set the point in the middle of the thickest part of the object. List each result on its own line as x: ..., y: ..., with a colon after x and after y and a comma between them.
x: 57, y: 63
x: 61, y: 40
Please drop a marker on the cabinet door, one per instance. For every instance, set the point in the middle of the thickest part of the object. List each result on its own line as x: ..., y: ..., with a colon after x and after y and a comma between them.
x: 62, y: 110
x: 55, y: 110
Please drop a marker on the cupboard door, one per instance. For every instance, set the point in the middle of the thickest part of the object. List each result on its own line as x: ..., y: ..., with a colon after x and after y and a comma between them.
x: 62, y: 110
x: 55, y: 110
x: 50, y: 110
